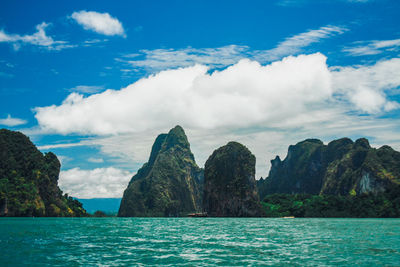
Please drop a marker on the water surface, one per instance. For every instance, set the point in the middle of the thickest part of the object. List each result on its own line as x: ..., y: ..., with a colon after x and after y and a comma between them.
x: 198, y: 241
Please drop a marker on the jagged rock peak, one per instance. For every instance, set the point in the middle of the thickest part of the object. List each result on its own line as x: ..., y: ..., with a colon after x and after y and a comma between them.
x: 169, y: 184
x: 177, y: 137
x: 362, y: 142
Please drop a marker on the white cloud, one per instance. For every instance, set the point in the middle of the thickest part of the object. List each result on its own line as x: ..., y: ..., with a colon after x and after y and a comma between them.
x: 373, y: 47
x: 10, y: 121
x: 161, y: 59
x: 366, y: 86
x: 101, y: 23
x: 39, y: 38
x: 87, y: 89
x: 95, y: 160
x: 293, y: 45
x: 242, y: 95
x: 97, y: 183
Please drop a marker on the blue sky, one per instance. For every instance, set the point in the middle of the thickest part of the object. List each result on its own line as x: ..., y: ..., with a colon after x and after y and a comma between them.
x: 95, y: 81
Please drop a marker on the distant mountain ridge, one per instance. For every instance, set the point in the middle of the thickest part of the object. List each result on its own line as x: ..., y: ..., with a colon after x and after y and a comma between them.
x: 342, y: 167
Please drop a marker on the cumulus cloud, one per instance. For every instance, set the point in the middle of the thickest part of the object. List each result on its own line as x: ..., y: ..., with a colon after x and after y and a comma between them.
x: 10, y: 121
x: 98, y: 183
x: 101, y: 23
x: 39, y: 38
x: 373, y: 47
x: 366, y: 86
x: 242, y: 95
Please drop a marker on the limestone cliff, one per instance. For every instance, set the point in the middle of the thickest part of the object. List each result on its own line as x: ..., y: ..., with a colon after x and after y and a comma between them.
x: 29, y: 180
x: 342, y: 167
x: 229, y: 183
x: 169, y: 184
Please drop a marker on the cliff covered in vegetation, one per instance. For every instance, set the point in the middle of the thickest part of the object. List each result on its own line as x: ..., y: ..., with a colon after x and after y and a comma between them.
x: 229, y: 184
x: 169, y: 184
x: 29, y: 180
x: 341, y: 168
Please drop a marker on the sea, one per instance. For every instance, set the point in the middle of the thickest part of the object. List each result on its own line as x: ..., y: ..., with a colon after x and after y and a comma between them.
x: 199, y: 242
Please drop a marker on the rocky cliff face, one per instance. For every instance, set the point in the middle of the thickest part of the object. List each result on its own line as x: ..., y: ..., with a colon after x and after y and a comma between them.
x: 169, y: 184
x: 229, y: 183
x: 28, y: 180
x: 342, y: 167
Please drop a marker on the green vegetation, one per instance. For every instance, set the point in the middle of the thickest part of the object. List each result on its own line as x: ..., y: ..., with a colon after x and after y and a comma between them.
x: 342, y: 167
x: 28, y: 180
x: 382, y: 205
x: 169, y: 184
x: 99, y: 213
x: 229, y: 184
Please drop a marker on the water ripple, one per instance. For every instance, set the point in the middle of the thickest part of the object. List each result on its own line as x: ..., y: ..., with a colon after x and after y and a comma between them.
x: 198, y: 241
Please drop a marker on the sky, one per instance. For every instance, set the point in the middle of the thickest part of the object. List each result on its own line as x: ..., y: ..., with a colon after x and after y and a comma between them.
x: 95, y: 82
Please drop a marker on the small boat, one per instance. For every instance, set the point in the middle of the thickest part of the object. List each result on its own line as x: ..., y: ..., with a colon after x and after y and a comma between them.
x: 288, y: 217
x: 198, y: 214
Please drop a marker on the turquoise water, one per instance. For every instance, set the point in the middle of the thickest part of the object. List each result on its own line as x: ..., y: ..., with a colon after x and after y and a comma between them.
x: 198, y: 241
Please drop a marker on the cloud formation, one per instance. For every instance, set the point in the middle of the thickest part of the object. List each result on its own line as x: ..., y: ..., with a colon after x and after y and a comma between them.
x: 95, y: 160
x: 366, y: 86
x: 373, y: 47
x: 39, y: 38
x: 98, y: 183
x: 11, y: 122
x: 101, y: 23
x: 242, y: 95
x: 161, y: 59
x: 86, y: 89
x: 294, y: 44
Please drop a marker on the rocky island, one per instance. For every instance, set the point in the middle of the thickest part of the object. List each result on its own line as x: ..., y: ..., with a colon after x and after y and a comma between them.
x: 340, y: 179
x: 169, y: 184
x: 29, y: 180
x: 342, y: 167
x: 229, y: 183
